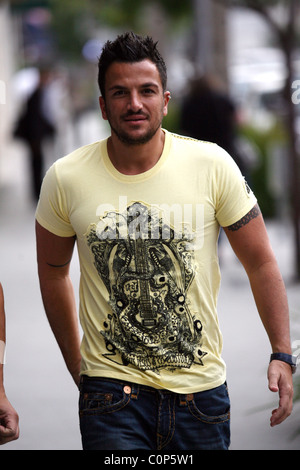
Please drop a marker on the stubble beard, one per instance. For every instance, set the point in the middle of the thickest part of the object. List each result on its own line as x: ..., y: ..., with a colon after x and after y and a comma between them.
x: 129, y: 140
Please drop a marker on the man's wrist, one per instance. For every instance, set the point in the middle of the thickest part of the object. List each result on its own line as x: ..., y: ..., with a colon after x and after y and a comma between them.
x: 287, y: 358
x: 2, y: 390
x: 2, y: 352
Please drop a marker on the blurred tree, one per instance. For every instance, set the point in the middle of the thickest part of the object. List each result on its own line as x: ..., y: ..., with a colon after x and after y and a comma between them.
x: 69, y: 23
x: 74, y: 22
x: 209, y: 43
x: 24, y: 5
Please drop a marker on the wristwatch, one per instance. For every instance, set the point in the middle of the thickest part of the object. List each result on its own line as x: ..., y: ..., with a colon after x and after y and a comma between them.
x: 289, y: 359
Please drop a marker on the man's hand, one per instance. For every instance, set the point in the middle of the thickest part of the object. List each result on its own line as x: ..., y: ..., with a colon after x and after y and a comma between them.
x: 280, y: 380
x: 9, y: 422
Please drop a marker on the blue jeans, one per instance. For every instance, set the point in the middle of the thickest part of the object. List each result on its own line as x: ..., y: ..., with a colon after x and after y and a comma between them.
x: 117, y: 415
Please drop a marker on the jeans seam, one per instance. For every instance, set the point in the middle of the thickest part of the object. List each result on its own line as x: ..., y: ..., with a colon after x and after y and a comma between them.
x: 161, y: 441
x: 205, y: 418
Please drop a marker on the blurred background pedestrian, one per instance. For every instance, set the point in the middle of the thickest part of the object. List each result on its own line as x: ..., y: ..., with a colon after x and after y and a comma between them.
x: 36, y: 125
x: 208, y: 113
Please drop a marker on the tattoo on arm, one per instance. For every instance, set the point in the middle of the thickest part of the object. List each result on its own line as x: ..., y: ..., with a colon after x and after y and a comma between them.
x: 255, y: 212
x: 64, y: 264
x: 58, y: 265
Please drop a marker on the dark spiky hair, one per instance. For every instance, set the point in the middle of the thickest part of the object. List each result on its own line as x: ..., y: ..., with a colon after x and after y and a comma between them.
x: 130, y: 48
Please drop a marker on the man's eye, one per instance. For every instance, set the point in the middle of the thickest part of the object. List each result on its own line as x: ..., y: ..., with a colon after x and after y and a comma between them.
x: 119, y: 93
x: 148, y: 91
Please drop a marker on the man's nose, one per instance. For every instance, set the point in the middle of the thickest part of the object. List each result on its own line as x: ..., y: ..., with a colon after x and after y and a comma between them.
x: 135, y: 103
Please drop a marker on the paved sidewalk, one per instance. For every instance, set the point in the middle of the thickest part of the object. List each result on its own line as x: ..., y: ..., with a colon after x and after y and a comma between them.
x: 37, y: 382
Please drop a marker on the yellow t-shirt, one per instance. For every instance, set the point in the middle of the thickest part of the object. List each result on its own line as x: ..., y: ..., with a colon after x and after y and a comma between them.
x: 147, y: 246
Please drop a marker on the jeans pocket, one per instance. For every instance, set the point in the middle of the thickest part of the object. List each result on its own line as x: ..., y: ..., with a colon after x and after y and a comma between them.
x: 91, y: 403
x: 212, y: 406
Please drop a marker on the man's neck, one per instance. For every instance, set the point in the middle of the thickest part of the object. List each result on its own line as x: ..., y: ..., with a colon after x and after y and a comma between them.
x: 135, y: 159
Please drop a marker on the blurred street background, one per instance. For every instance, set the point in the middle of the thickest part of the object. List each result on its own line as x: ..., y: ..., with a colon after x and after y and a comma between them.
x: 247, y: 53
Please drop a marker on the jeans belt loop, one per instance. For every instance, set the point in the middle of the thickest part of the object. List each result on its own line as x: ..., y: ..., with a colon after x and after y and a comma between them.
x: 135, y: 391
x: 184, y: 399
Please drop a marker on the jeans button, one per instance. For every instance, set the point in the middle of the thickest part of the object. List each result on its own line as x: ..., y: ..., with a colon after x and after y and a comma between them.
x: 127, y: 389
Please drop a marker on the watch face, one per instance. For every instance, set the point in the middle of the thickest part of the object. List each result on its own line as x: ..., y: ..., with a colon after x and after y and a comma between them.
x: 294, y: 360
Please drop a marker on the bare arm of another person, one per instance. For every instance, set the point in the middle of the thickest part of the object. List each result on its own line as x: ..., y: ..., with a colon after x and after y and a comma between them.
x: 54, y: 255
x: 9, y: 420
x: 250, y: 242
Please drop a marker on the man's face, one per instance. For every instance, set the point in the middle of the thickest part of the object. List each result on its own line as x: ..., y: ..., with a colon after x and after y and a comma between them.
x: 135, y: 103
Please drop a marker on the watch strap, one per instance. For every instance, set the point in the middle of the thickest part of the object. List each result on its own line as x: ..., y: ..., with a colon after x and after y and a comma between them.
x: 288, y: 358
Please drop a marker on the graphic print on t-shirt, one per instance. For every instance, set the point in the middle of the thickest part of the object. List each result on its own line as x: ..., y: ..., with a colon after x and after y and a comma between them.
x: 147, y: 267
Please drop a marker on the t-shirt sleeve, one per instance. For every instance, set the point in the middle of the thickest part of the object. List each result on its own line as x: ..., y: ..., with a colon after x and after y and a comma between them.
x: 234, y: 198
x: 52, y: 212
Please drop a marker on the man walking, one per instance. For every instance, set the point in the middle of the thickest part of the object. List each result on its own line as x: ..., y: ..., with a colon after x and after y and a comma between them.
x: 145, y: 207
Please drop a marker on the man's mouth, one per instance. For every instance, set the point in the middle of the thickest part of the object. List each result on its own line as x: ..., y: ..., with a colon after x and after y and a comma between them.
x: 135, y: 117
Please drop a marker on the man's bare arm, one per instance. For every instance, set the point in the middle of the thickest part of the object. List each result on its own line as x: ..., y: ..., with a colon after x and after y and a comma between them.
x: 249, y: 240
x: 9, y: 419
x: 54, y: 255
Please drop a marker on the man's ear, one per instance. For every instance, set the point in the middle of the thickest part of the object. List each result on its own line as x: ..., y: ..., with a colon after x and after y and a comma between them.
x: 103, y: 107
x: 167, y: 97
